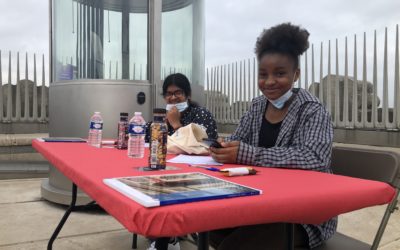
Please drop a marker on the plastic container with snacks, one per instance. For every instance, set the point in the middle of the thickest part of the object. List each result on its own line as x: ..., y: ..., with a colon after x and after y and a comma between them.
x: 158, y: 140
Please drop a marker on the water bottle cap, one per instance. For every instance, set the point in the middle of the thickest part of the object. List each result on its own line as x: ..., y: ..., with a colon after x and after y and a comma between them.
x: 123, y: 114
x: 97, y: 112
x: 138, y: 113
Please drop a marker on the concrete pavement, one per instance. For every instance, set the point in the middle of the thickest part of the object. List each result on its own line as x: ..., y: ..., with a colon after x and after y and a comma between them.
x: 27, y: 222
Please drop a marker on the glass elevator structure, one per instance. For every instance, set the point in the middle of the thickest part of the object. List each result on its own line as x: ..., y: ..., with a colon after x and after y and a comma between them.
x: 112, y: 56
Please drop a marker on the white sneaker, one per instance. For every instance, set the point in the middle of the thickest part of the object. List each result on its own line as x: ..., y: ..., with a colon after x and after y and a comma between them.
x: 171, y: 246
x: 152, y: 246
x: 174, y: 246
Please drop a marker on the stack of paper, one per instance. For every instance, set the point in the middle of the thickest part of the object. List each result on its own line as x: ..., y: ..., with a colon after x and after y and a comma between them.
x: 194, y: 160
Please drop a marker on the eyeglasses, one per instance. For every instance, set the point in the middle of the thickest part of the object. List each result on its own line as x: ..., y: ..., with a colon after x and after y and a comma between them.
x: 177, y: 93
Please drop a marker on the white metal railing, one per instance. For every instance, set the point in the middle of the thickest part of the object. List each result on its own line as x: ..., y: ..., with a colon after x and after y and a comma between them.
x: 112, y: 70
x: 16, y: 102
x: 23, y: 100
x: 355, y: 92
x: 369, y: 103
x: 230, y: 88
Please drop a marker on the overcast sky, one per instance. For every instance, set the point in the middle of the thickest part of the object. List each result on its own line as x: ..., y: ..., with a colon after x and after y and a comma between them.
x: 24, y: 26
x: 232, y: 26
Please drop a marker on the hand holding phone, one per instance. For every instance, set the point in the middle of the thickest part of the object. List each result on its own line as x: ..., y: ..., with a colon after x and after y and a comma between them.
x: 212, y: 143
x: 227, y: 154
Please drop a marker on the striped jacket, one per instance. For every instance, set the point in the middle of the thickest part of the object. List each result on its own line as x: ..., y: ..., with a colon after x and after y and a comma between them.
x: 304, y: 142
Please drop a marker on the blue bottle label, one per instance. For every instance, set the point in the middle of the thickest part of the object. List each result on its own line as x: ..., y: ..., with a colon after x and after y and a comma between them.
x: 137, y: 129
x: 96, y: 125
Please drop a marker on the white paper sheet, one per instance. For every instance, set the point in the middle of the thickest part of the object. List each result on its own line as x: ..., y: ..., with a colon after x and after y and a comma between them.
x: 194, y: 159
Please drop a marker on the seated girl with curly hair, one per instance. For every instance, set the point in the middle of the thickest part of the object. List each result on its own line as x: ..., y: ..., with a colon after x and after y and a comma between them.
x: 284, y: 128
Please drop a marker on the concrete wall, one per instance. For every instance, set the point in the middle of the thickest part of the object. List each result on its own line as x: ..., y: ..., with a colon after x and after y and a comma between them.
x: 18, y: 159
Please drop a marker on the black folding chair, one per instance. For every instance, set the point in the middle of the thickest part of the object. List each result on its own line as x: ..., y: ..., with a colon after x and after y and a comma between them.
x: 367, y: 162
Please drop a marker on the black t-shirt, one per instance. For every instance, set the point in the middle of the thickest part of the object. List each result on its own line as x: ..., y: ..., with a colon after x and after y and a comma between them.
x: 268, y: 133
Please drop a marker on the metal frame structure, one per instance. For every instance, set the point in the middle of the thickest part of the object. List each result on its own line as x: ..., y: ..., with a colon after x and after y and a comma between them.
x: 71, y: 101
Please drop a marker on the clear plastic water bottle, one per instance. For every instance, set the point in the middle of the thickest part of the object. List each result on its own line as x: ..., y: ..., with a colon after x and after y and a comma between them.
x: 137, y: 129
x: 95, y: 130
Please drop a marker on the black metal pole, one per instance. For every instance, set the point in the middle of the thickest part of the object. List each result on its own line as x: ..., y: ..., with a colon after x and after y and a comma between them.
x: 134, y: 241
x: 162, y: 243
x: 64, y: 218
x: 290, y: 235
x: 202, y: 243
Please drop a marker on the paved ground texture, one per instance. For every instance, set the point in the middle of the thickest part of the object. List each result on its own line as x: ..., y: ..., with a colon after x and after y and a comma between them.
x: 27, y: 221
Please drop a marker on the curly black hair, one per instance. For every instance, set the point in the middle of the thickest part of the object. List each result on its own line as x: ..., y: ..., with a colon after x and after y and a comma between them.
x: 284, y: 38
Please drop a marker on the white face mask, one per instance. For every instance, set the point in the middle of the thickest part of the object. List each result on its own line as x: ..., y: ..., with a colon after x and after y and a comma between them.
x: 280, y: 102
x: 180, y: 106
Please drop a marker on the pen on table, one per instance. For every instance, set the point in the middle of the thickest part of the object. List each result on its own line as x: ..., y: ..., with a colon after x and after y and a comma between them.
x: 206, y: 167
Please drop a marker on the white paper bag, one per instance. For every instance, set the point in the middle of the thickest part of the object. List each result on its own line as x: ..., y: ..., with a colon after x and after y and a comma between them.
x: 188, y: 140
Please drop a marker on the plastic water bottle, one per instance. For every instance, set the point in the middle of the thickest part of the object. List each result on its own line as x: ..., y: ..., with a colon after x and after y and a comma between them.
x: 95, y: 130
x: 137, y: 129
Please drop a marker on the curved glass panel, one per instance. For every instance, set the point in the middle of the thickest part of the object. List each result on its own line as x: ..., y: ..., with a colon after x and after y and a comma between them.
x: 100, y: 39
x: 108, y: 39
x: 182, y: 42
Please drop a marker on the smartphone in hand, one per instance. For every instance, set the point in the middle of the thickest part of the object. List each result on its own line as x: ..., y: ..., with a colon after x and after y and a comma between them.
x: 212, y: 143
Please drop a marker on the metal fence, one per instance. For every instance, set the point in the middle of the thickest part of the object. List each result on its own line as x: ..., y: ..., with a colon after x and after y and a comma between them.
x: 355, y: 92
x: 360, y: 90
x: 112, y: 70
x: 23, y: 100
x: 26, y: 100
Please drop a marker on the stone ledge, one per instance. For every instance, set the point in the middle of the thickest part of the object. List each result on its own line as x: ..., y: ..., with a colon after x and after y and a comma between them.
x: 7, y: 140
x: 24, y: 127
x: 22, y: 170
x: 18, y: 159
x: 22, y: 157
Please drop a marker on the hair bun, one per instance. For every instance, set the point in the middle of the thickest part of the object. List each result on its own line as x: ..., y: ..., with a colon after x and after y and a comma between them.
x: 283, y: 38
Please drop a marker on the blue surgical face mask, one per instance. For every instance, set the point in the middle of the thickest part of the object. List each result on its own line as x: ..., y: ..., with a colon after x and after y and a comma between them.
x: 280, y: 102
x: 180, y: 106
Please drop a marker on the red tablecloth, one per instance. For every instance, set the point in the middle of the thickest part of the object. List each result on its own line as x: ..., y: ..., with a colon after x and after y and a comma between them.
x: 296, y: 196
